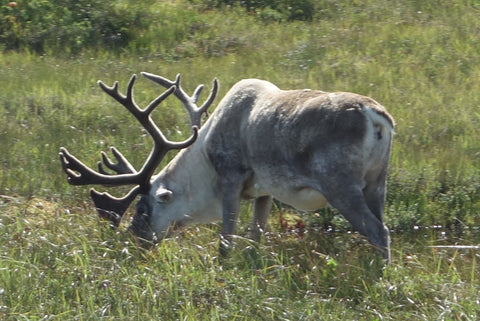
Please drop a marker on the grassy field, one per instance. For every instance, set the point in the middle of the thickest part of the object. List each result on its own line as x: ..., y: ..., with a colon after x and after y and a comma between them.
x: 421, y: 59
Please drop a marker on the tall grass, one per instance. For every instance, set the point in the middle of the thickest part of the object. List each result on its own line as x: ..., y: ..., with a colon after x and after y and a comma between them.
x: 418, y: 58
x: 57, y: 265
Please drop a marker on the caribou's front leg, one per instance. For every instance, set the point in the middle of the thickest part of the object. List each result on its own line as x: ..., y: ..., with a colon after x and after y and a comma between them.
x: 231, y: 207
x: 261, y: 210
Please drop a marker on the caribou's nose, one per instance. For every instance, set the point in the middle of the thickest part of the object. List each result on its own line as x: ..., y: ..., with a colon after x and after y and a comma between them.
x: 140, y: 225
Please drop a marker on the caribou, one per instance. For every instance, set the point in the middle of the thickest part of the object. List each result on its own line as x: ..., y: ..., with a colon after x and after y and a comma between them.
x: 305, y: 148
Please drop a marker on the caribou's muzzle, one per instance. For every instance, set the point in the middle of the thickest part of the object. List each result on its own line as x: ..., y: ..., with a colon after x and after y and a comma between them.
x: 141, y: 226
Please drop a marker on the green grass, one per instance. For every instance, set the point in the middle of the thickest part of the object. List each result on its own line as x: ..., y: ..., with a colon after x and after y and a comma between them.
x: 60, y: 264
x: 418, y: 58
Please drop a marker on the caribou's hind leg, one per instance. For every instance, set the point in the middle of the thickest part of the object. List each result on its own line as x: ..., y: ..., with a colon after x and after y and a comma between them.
x: 374, y: 194
x: 261, y: 210
x: 352, y: 204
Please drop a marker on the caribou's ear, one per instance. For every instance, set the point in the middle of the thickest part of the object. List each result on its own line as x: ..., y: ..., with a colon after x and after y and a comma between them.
x: 112, y: 208
x: 163, y: 196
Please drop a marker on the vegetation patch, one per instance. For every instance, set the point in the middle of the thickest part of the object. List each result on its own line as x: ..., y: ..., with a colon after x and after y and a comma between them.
x: 58, y: 261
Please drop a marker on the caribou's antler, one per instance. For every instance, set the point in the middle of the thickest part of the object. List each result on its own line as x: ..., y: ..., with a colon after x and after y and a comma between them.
x: 112, y: 208
x: 78, y: 173
x: 190, y: 103
x: 122, y: 166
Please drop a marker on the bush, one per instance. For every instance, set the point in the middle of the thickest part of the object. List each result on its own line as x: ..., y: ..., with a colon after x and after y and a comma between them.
x: 269, y: 10
x: 70, y: 25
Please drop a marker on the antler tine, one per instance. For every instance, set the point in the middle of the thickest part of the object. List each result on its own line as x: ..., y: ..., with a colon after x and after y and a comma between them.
x: 77, y: 172
x: 126, y: 100
x: 148, y: 110
x: 122, y: 166
x: 112, y: 208
x: 189, y: 102
x: 213, y: 93
x: 196, y: 93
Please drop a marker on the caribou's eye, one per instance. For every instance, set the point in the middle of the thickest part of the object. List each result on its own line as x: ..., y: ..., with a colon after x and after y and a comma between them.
x: 164, y: 196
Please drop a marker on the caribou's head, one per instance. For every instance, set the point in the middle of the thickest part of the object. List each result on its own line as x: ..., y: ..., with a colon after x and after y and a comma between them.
x: 145, y: 225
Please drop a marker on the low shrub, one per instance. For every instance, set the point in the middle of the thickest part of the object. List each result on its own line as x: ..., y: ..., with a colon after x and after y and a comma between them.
x: 70, y: 26
x: 270, y: 10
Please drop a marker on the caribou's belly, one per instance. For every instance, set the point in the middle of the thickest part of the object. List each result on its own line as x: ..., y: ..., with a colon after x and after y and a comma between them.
x: 307, y: 199
x: 304, y: 198
x: 295, y: 192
